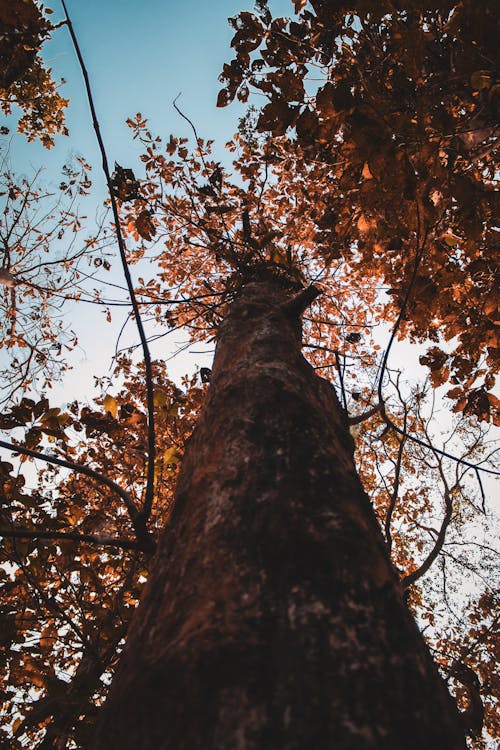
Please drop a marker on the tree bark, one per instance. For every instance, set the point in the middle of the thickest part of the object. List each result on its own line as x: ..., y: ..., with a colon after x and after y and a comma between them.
x: 273, y: 618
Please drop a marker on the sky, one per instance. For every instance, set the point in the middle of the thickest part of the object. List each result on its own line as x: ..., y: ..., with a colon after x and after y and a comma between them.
x: 139, y: 57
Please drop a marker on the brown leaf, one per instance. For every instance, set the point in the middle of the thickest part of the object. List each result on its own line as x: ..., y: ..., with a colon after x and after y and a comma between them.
x: 277, y: 116
x: 145, y: 226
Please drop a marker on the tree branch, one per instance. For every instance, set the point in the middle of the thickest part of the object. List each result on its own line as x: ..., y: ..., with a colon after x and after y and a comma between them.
x: 438, y: 544
x: 70, y: 536
x: 297, y: 304
x: 395, y: 489
x: 143, y: 516
x: 390, y: 424
x: 358, y: 418
x: 144, y: 539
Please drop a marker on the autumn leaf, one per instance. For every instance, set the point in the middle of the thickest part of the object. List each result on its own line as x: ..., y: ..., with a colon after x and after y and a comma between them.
x: 124, y: 184
x: 277, y: 116
x: 171, y: 456
x: 365, y: 224
x: 481, y: 79
x: 435, y: 358
x: 324, y: 100
x: 366, y: 173
x: 224, y: 97
x: 110, y: 405
x: 160, y: 399
x: 451, y: 239
x: 144, y: 225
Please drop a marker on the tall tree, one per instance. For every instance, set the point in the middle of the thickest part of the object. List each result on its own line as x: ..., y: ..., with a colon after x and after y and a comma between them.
x: 273, y: 615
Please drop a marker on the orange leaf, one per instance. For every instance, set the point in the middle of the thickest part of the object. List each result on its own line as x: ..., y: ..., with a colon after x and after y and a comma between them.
x: 145, y: 226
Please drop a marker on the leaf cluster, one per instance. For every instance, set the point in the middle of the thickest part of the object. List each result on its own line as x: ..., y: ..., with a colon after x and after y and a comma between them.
x: 400, y: 108
x: 24, y: 79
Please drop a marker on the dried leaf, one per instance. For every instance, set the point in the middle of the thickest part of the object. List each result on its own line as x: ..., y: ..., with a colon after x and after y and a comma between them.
x: 160, y: 399
x: 145, y: 226
x: 366, y: 173
x: 171, y: 456
x: 481, y: 79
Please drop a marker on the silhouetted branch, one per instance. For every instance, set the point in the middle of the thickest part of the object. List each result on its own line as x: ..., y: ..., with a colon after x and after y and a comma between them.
x: 358, y: 418
x: 296, y: 305
x: 395, y: 489
x: 143, y: 538
x: 475, y: 467
x: 438, y: 544
x: 143, y: 516
x: 418, y: 257
x: 341, y: 379
x: 69, y: 536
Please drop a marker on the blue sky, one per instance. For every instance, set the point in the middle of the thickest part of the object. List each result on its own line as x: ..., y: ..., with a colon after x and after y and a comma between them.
x: 139, y: 56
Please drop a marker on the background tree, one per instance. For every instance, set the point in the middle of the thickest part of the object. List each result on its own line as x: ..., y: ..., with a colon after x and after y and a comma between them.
x: 24, y: 80
x: 42, y: 269
x: 208, y: 236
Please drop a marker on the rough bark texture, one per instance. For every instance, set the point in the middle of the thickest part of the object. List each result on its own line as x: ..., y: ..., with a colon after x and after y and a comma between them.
x: 273, y: 619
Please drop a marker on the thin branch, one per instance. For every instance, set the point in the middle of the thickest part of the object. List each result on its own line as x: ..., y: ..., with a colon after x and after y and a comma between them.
x: 70, y: 536
x: 481, y: 489
x: 341, y: 379
x: 358, y: 418
x: 424, y: 444
x: 143, y: 517
x: 143, y: 537
x: 418, y: 257
x: 395, y: 489
x: 438, y: 544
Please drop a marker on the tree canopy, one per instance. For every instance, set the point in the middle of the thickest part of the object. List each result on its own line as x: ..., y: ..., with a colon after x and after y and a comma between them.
x: 370, y: 173
x: 25, y: 82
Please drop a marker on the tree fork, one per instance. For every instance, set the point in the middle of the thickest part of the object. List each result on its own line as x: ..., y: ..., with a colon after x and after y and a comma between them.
x: 273, y: 618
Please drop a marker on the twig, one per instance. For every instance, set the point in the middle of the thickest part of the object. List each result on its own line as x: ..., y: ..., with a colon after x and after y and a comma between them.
x: 358, y: 418
x: 418, y: 257
x: 427, y: 445
x: 341, y: 379
x: 438, y: 544
x: 395, y: 489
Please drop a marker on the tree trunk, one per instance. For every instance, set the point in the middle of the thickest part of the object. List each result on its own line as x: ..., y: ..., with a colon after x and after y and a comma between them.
x: 273, y: 619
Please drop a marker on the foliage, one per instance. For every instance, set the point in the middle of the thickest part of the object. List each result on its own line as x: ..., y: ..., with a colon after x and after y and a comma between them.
x: 397, y: 107
x: 67, y: 599
x: 24, y: 80
x: 378, y: 178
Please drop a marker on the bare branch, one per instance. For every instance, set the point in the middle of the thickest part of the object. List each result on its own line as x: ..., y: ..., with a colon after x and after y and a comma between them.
x: 438, y: 544
x: 395, y: 489
x: 475, y: 467
x: 143, y: 517
x: 364, y: 416
x: 296, y: 305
